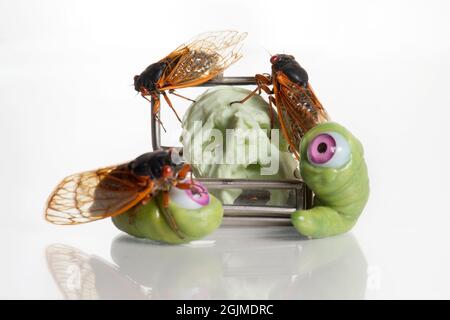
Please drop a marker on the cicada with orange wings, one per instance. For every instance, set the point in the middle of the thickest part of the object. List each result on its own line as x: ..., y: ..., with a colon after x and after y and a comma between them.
x: 298, y: 108
x: 199, y: 60
x: 110, y: 191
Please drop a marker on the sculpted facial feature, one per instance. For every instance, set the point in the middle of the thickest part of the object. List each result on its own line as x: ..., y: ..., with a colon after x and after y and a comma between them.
x: 329, y: 149
x: 321, y: 149
x: 190, y: 199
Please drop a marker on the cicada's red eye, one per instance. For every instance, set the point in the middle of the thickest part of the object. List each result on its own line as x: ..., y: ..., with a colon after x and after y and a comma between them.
x: 167, y: 171
x: 274, y: 59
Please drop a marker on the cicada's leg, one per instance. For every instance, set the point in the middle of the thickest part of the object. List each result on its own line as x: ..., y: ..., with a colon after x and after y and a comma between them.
x: 184, y: 171
x: 155, y: 109
x: 146, y: 200
x: 133, y: 212
x: 271, y: 103
x: 182, y: 175
x: 172, y: 91
x: 157, y: 104
x: 251, y: 94
x: 166, y: 199
x: 262, y: 83
x: 160, y: 122
x: 170, y: 105
x: 168, y: 216
x: 264, y: 80
x: 184, y: 185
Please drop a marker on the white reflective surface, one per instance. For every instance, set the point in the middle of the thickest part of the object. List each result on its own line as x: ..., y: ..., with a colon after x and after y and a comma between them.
x: 99, y: 262
x: 276, y: 266
x: 67, y: 105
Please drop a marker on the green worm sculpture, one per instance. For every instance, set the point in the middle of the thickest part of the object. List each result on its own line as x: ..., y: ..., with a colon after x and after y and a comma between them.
x: 332, y: 165
x: 147, y: 221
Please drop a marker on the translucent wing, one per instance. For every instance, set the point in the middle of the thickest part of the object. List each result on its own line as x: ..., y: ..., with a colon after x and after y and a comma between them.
x: 97, y: 194
x: 201, y: 59
x: 80, y: 276
x: 298, y: 110
x: 72, y: 272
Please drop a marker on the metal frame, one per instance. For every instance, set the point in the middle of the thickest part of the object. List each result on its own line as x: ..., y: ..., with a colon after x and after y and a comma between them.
x: 245, y: 214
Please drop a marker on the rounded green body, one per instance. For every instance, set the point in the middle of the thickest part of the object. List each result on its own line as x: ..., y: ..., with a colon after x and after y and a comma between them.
x: 147, y: 221
x: 340, y: 193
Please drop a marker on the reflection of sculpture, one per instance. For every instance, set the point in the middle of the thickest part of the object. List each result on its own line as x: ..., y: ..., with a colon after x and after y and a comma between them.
x: 279, y: 268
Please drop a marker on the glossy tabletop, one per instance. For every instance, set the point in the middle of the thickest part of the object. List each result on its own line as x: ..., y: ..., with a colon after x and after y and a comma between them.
x: 67, y: 105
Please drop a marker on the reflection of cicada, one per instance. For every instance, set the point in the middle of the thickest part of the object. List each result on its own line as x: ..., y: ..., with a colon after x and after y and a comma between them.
x: 297, y: 106
x: 88, y: 277
x: 201, y: 59
x: 110, y: 191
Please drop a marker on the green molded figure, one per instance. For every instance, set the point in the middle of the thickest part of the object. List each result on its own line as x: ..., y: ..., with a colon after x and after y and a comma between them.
x: 332, y: 165
x: 205, y: 127
x: 148, y: 221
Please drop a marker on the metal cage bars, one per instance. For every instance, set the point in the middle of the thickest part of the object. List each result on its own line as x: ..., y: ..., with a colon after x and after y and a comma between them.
x: 242, y: 213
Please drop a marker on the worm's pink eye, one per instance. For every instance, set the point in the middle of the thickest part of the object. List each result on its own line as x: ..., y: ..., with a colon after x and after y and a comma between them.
x: 194, y: 198
x: 321, y: 149
x: 199, y: 194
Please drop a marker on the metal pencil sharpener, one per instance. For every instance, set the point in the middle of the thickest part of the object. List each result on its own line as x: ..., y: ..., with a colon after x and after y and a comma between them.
x: 250, y: 207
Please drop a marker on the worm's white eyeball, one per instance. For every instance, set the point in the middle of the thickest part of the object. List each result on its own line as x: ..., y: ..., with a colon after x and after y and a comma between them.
x: 191, y: 199
x: 329, y: 149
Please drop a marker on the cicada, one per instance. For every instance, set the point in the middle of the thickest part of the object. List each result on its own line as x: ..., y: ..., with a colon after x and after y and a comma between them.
x: 298, y: 108
x: 199, y: 60
x: 113, y: 190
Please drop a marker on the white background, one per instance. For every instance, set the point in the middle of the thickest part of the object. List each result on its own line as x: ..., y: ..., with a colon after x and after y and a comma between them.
x: 380, y: 68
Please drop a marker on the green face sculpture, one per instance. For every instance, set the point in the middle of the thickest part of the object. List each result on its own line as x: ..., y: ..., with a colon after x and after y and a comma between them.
x: 333, y: 167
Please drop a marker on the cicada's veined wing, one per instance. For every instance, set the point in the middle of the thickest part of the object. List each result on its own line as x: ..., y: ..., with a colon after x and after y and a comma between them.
x: 303, y: 100
x: 96, y: 194
x: 298, y: 110
x: 72, y: 272
x: 80, y: 276
x: 201, y: 59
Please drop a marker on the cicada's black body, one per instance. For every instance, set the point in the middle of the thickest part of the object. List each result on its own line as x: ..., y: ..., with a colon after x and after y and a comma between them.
x: 149, y: 78
x: 290, y: 67
x: 151, y: 164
